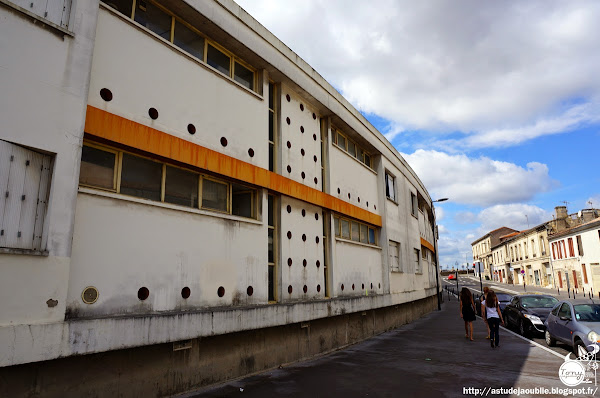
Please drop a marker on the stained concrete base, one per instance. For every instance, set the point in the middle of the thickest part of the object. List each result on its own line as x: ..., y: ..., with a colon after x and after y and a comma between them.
x: 158, y: 370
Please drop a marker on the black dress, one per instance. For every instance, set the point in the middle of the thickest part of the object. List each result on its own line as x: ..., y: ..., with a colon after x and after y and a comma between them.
x: 468, y: 313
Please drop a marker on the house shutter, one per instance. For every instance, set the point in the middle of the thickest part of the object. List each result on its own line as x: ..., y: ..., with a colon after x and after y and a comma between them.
x: 24, y: 182
x: 56, y: 11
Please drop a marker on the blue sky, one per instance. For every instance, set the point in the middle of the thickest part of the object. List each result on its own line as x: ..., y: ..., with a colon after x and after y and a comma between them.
x: 495, y: 105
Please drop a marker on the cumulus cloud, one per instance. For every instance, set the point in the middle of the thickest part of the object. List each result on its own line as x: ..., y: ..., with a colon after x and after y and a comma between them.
x: 479, y: 181
x: 499, y: 72
x: 516, y: 216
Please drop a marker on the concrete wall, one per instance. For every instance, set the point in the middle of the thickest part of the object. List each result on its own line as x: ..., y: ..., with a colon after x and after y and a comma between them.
x: 157, y: 370
x: 44, y: 85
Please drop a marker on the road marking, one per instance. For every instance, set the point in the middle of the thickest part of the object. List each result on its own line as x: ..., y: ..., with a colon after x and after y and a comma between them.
x: 526, y: 339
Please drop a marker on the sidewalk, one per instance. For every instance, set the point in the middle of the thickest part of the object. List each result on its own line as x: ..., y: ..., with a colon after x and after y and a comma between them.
x: 427, y: 358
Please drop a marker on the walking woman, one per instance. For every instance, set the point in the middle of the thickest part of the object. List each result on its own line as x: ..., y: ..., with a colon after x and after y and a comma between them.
x: 467, y: 311
x: 482, y: 300
x: 494, y: 317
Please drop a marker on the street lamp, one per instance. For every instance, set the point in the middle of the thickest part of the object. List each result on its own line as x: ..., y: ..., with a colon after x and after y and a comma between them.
x: 437, y: 256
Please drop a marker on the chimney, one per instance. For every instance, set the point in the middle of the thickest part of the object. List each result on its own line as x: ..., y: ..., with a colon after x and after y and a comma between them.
x: 561, y: 212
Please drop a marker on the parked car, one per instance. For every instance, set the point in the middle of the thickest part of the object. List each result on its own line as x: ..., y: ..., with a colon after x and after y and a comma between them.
x: 451, y: 277
x: 527, y: 312
x: 575, y: 323
x: 503, y: 300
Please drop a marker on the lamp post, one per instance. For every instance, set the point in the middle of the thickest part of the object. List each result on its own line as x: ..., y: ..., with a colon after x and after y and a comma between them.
x: 437, y: 256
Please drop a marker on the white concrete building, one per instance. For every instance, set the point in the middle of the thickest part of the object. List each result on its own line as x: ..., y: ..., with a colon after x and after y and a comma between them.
x: 181, y: 190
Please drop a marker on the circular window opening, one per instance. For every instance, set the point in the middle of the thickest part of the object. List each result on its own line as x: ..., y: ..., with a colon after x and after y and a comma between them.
x: 153, y: 113
x: 143, y: 293
x: 353, y: 286
x: 287, y: 97
x: 380, y: 285
x: 250, y: 291
x: 339, y: 191
x: 371, y: 286
x: 375, y: 207
x: 305, y: 289
x: 289, y: 144
x: 221, y: 291
x: 316, y: 180
x: 223, y: 141
x: 304, y: 262
x: 251, y: 152
x: 359, y: 199
x: 302, y: 152
x: 314, y: 137
x: 363, y: 286
x: 90, y: 295
x: 301, y: 107
x: 318, y: 263
x: 289, y: 169
x: 290, y: 261
x: 185, y: 292
x: 304, y: 237
x: 318, y: 288
x: 316, y: 216
x: 315, y: 158
x: 303, y: 175
x: 289, y: 208
x: 289, y: 234
x: 303, y: 213
x: 317, y: 239
x: 342, y: 286
x: 367, y: 204
x: 288, y: 121
x: 290, y: 289
x: 348, y: 195
x: 314, y: 117
x: 302, y: 129
x: 106, y: 94
x: 191, y: 129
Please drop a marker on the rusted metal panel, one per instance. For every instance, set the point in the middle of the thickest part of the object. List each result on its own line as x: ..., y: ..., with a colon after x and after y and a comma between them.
x: 102, y: 124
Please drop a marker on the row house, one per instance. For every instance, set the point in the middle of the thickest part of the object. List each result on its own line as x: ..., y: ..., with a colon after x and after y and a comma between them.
x: 483, y: 249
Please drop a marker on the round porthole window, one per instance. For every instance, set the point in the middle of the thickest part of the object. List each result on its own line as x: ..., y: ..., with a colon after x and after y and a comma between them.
x: 89, y: 295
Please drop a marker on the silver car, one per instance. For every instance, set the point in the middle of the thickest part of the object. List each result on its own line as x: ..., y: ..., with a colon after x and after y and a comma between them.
x: 576, y: 323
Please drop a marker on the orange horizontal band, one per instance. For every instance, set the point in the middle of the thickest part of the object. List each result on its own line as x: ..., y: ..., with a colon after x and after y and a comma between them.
x: 427, y: 245
x: 102, y: 124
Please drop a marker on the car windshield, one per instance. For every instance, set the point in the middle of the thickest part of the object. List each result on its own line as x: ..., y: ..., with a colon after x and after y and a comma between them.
x: 503, y: 297
x: 587, y: 312
x: 538, y: 302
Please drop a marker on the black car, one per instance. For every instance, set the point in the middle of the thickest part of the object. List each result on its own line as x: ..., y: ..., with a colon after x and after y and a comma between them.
x: 528, y: 312
x: 503, y: 300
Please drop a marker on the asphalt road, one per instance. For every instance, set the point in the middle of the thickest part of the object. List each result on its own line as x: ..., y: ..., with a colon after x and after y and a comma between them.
x: 474, y: 284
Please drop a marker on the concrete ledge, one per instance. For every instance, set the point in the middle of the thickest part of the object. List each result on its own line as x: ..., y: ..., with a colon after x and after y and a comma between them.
x: 33, y: 343
x: 160, y: 370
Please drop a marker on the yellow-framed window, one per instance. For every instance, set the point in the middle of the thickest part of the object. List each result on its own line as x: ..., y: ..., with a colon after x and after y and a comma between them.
x: 215, y: 195
x: 99, y: 167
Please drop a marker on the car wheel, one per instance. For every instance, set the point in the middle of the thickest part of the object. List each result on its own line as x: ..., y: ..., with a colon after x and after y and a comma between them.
x: 522, y: 329
x: 579, y: 348
x: 549, y: 339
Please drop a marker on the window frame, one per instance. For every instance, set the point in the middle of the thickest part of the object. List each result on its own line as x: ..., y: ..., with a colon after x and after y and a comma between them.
x: 358, y: 148
x: 116, y: 174
x: 389, y: 175
x: 337, y: 232
x: 200, y: 175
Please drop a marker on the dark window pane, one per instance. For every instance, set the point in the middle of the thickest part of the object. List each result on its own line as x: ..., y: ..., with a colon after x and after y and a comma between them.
x: 242, y: 201
x: 367, y: 160
x: 336, y: 226
x: 214, y: 195
x: 181, y: 187
x: 271, y: 157
x: 345, y: 229
x: 271, y: 95
x: 217, y: 60
x: 243, y: 75
x: 271, y: 283
x: 371, y: 236
x: 271, y: 126
x: 123, y: 6
x: 341, y: 141
x: 270, y: 248
x: 351, y: 148
x: 188, y: 40
x: 153, y: 18
x: 141, y: 177
x: 97, y: 168
x: 363, y: 233
x: 271, y: 219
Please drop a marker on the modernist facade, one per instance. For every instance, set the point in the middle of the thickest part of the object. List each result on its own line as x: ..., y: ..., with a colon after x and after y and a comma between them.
x: 576, y: 258
x: 188, y: 201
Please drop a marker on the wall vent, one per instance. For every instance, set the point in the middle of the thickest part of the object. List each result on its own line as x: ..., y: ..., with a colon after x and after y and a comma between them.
x: 89, y: 295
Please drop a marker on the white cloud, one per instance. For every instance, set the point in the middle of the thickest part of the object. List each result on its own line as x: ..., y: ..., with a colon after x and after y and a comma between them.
x: 439, y: 214
x: 516, y: 216
x: 500, y: 72
x: 480, y: 181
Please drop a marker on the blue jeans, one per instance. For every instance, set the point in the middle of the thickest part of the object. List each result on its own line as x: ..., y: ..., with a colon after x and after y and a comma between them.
x: 494, y: 330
